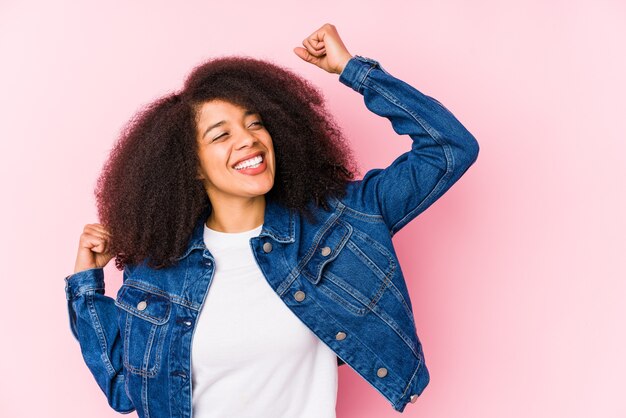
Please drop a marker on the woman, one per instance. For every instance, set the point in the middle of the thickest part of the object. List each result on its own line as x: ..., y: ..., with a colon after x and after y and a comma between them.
x: 242, y: 183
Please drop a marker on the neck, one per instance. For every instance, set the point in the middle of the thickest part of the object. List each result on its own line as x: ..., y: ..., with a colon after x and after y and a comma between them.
x: 237, y: 215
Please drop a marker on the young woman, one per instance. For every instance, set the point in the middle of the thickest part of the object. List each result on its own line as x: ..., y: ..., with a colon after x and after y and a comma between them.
x: 253, y: 263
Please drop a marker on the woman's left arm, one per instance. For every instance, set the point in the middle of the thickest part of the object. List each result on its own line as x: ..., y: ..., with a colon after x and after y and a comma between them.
x: 441, y: 152
x: 442, y: 148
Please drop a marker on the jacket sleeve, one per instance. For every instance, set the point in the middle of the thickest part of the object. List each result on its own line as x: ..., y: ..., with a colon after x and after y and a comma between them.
x: 93, y: 322
x: 441, y: 151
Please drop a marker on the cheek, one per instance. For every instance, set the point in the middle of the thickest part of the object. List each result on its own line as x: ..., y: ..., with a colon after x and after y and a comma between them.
x: 270, y: 146
x: 210, y: 165
x: 211, y: 159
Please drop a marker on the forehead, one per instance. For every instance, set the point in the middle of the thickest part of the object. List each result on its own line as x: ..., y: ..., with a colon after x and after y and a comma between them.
x: 219, y: 108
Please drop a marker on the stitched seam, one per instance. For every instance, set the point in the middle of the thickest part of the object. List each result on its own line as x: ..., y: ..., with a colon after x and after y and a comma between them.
x: 189, y: 250
x: 144, y: 396
x: 142, y: 371
x: 382, y: 288
x: 291, y: 277
x: 84, y: 290
x: 419, y: 363
x: 100, y: 334
x: 340, y: 283
x: 318, y: 237
x: 399, y: 296
x: 173, y: 298
x: 434, y: 135
x: 361, y: 215
x: 149, y: 318
x: 385, y: 278
x: 337, y: 298
x: 373, y: 382
x: 287, y: 239
x: 371, y: 241
x: 388, y: 275
x: 337, y: 250
x: 366, y: 260
x: 365, y: 301
x: 386, y: 319
x: 148, y: 350
x: 361, y: 82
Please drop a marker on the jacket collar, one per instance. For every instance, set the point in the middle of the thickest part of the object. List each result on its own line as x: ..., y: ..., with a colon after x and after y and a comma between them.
x: 278, y: 223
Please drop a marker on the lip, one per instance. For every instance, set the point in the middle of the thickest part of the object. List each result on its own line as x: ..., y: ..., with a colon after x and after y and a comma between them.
x: 248, y: 157
x: 253, y: 171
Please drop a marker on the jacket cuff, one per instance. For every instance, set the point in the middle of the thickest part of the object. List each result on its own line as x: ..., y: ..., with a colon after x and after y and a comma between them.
x: 79, y: 283
x: 356, y: 70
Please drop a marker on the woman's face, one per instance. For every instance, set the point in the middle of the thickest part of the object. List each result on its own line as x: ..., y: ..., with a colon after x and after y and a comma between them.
x: 235, y: 150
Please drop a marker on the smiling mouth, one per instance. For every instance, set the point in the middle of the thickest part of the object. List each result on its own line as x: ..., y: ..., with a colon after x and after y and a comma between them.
x: 253, y: 162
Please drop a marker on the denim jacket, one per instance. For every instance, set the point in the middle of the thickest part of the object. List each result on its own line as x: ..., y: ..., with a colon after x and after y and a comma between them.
x: 339, y: 273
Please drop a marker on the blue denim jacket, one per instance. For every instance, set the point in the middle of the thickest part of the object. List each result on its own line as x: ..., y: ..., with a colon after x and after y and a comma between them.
x: 339, y: 274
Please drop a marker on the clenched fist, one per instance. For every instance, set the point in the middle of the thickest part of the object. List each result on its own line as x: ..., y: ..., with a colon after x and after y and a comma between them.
x: 325, y: 49
x: 93, y: 248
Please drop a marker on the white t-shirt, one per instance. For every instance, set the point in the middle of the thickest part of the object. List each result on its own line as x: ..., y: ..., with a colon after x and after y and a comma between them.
x: 252, y: 356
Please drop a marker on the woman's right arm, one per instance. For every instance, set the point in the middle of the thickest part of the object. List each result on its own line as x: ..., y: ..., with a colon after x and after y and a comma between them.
x: 93, y: 317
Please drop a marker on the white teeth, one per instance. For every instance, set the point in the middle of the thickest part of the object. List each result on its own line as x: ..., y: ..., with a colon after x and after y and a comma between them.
x: 251, y: 163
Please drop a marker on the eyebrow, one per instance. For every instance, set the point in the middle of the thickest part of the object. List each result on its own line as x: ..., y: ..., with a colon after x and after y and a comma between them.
x: 220, y: 123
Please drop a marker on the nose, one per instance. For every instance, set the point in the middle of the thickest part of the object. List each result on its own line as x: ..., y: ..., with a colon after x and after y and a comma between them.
x: 245, y: 139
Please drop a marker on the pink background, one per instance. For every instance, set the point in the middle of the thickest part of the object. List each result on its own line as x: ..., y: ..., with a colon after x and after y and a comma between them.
x: 516, y: 275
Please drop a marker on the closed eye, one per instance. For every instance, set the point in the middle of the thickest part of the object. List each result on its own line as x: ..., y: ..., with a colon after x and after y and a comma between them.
x: 256, y: 122
x: 219, y: 136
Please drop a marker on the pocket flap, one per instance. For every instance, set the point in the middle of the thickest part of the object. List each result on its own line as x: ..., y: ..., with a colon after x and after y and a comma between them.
x: 326, y: 249
x: 150, y: 306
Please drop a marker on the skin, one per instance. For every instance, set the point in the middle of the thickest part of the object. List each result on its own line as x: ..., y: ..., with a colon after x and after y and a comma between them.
x: 238, y: 201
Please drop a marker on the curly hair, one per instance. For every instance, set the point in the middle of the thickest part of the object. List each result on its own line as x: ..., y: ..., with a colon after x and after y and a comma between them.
x: 148, y: 195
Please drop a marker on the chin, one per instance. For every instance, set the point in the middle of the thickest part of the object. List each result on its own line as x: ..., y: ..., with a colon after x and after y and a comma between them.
x: 261, y: 191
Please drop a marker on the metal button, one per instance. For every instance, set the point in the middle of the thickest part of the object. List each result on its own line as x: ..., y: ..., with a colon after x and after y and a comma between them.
x: 340, y: 336
x: 267, y: 247
x: 299, y: 295
x: 208, y: 263
x: 326, y: 251
x: 413, y: 398
x: 142, y: 305
x: 382, y: 372
x: 188, y: 323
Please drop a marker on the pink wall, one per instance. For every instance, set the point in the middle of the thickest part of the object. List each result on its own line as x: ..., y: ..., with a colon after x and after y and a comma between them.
x: 516, y: 273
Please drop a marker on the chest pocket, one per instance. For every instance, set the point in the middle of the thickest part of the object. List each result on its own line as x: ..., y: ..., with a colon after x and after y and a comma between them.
x: 143, y: 321
x: 327, y: 248
x: 350, y: 268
